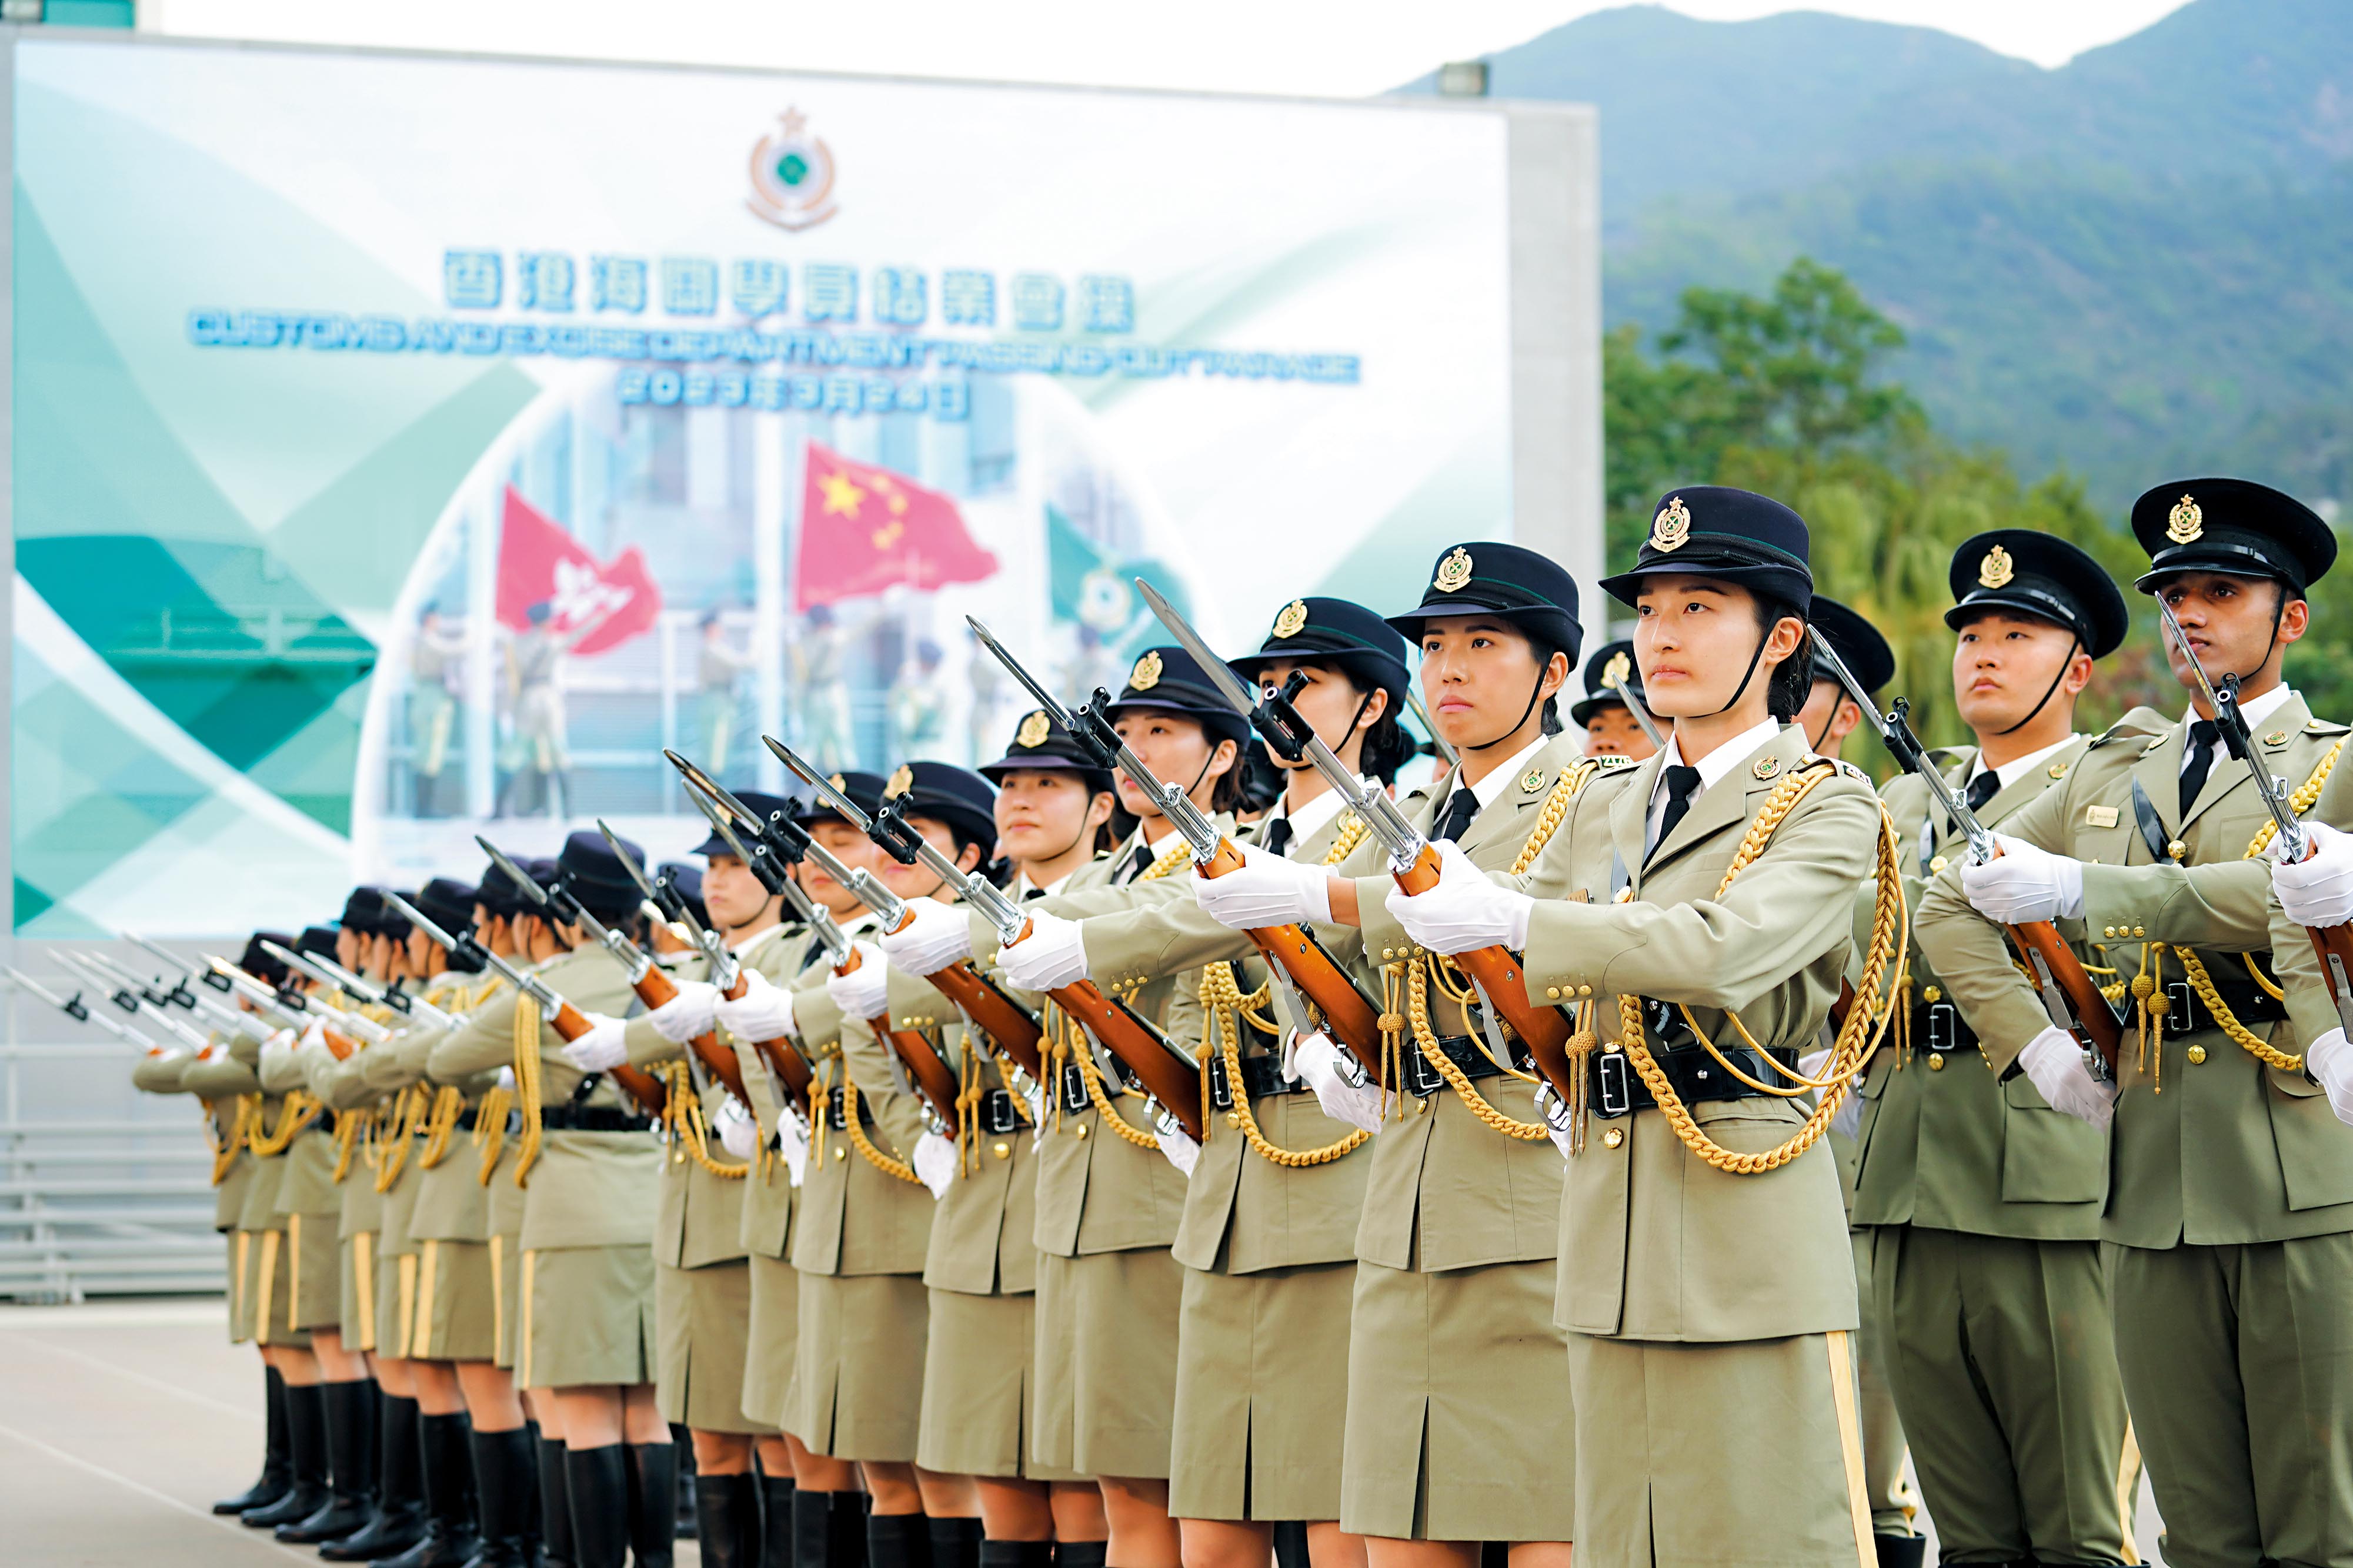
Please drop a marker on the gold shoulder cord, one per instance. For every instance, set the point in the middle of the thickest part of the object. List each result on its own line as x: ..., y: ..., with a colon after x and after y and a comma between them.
x: 298, y: 1111
x: 241, y: 1118
x: 689, y: 1127
x: 449, y: 1103
x: 862, y: 1143
x: 1071, y: 1038
x: 1850, y: 1045
x: 408, y: 1109
x: 349, y: 1126
x: 526, y: 1065
x: 2148, y: 985
x: 1417, y: 972
x: 491, y: 1130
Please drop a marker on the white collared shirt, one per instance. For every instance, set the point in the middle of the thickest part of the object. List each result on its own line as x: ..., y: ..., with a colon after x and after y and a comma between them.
x: 1310, y: 819
x: 1023, y: 886
x: 2017, y: 768
x: 2254, y: 711
x: 1711, y: 767
x: 1488, y: 788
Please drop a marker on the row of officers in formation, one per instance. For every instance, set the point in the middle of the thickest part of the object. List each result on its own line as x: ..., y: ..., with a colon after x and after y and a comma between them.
x: 1635, y: 1139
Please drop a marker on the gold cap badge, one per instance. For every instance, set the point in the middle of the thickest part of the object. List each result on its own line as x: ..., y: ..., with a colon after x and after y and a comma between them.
x: 1615, y: 670
x: 1146, y: 673
x: 901, y: 782
x: 1294, y: 619
x: 1034, y: 730
x: 1670, y: 530
x: 1453, y: 571
x: 1997, y: 569
x: 2185, y: 522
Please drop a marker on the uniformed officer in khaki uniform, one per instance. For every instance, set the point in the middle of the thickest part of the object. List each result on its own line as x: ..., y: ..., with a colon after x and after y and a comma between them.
x: 1705, y: 1277
x: 2229, y: 1222
x: 1609, y: 726
x: 1978, y: 1206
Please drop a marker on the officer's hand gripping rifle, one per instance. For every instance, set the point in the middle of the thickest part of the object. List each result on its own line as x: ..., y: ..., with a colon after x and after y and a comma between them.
x: 997, y: 1015
x: 1316, y: 991
x: 568, y: 1022
x: 783, y: 841
x: 2073, y: 1002
x: 2333, y: 944
x: 1413, y: 861
x: 74, y: 1008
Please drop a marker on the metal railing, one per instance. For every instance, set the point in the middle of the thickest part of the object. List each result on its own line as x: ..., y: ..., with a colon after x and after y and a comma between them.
x: 99, y: 1209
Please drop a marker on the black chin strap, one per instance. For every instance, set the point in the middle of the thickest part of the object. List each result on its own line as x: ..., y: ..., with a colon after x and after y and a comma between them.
x: 1534, y: 694
x: 1750, y: 674
x: 2049, y: 691
x: 1814, y: 744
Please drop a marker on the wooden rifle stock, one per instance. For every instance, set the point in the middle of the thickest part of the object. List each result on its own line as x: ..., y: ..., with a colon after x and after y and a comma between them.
x: 1504, y: 984
x: 932, y: 1079
x: 999, y: 1016
x: 1354, y: 1022
x: 1125, y: 1036
x: 2337, y: 943
x: 643, y: 1087
x: 657, y: 988
x: 783, y: 1058
x: 2093, y: 1013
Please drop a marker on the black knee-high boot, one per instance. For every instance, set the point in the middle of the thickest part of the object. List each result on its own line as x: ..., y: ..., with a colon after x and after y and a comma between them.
x: 277, y: 1471
x: 779, y: 1501
x: 727, y: 1519
x: 812, y: 1527
x: 350, y: 1467
x: 898, y: 1541
x: 688, y: 1517
x: 653, y: 1502
x: 598, y: 1481
x: 448, y: 1539
x: 399, y: 1521
x: 845, y: 1533
x: 1017, y: 1555
x: 955, y: 1542
x: 306, y: 1442
x: 503, y: 1466
x: 554, y: 1507
x: 1080, y: 1553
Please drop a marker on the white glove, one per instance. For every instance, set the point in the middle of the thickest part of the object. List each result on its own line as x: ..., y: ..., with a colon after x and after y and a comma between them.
x: 1465, y: 911
x: 686, y: 1015
x: 935, y: 1162
x: 1049, y: 957
x: 1847, y: 1119
x: 1317, y: 1060
x: 2318, y: 892
x: 793, y: 1143
x: 2329, y: 1060
x: 738, y: 1133
x: 1559, y: 1126
x: 313, y: 1044
x: 939, y: 935
x: 601, y: 1048
x: 280, y: 1046
x: 1177, y: 1145
x: 1268, y: 890
x: 507, y: 1079
x: 764, y: 1011
x: 2024, y: 884
x: 2056, y: 1062
x: 865, y: 991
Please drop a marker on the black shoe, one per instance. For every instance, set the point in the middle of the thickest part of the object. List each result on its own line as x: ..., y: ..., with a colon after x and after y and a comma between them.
x: 653, y: 1503
x: 1080, y: 1553
x: 399, y: 1521
x: 306, y: 1439
x: 448, y: 1539
x: 504, y: 1463
x: 898, y: 1541
x: 778, y: 1500
x: 727, y: 1520
x: 276, y: 1472
x: 596, y: 1481
x: 955, y: 1542
x: 1901, y: 1550
x: 351, y: 1461
x: 554, y: 1507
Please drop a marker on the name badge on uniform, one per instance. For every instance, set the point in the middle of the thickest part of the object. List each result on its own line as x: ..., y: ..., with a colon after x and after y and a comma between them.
x: 2100, y: 816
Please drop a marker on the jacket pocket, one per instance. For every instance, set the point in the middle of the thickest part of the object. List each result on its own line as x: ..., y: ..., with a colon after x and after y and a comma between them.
x: 2315, y: 1154
x: 2047, y: 1156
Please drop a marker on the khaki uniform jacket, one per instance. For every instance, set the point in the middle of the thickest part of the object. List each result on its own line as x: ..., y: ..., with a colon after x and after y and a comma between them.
x: 1444, y: 1190
x: 854, y: 1217
x: 587, y: 1189
x: 1655, y: 1244
x: 2231, y: 1152
x: 699, y: 1219
x: 769, y: 1197
x: 982, y: 1239
x: 1243, y: 1213
x: 1946, y: 1142
x: 166, y: 1073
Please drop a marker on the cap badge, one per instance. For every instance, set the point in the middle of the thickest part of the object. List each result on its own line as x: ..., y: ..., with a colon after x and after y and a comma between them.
x: 901, y: 782
x: 2185, y: 522
x: 1670, y: 530
x: 1997, y: 569
x: 1766, y: 768
x: 1294, y: 619
x: 1146, y: 673
x: 1034, y: 730
x: 1615, y: 670
x: 1453, y: 571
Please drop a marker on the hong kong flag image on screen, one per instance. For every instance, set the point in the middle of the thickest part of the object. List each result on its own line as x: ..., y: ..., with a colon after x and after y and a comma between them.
x: 592, y: 604
x: 864, y: 528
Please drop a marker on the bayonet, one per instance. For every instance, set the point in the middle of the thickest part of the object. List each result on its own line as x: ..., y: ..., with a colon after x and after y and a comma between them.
x: 74, y: 1008
x: 1641, y: 709
x: 1439, y: 748
x: 358, y: 1025
x: 188, y: 971
x: 132, y: 997
x: 561, y: 906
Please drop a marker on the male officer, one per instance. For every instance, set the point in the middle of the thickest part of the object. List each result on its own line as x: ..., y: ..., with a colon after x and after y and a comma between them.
x: 1609, y: 725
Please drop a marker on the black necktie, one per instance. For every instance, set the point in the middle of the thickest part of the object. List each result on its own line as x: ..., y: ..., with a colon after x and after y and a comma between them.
x: 1461, y: 807
x: 1033, y: 893
x: 1983, y: 788
x: 2203, y: 733
x: 1278, y: 837
x: 1141, y: 864
x: 1683, y: 783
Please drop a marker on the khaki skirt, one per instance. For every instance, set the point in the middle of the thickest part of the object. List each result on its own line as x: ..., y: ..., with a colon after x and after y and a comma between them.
x: 980, y: 1388
x: 587, y: 1316
x: 1261, y: 1393
x: 240, y: 1315
x: 1455, y: 1381
x: 1106, y: 1363
x: 359, y: 1293
x: 314, y: 1271
x: 704, y: 1323
x: 455, y: 1315
x: 267, y: 1299
x: 775, y: 1326
x: 506, y: 1257
x: 1748, y: 1454
x: 858, y: 1366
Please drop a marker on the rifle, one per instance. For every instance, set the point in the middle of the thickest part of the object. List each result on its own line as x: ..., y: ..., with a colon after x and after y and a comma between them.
x: 916, y: 1067
x: 567, y: 1021
x: 326, y: 971
x: 2069, y: 997
x: 1413, y: 861
x: 1637, y: 707
x: 1310, y: 982
x: 132, y: 995
x: 2332, y: 944
x: 74, y: 1008
x: 984, y: 1006
x: 323, y: 968
x: 298, y: 1011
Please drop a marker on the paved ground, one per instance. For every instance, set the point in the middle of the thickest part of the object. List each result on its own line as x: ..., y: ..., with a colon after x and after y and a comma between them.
x: 120, y: 1424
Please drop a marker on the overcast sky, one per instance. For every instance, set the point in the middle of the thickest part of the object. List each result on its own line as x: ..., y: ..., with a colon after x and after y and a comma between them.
x: 1338, y: 47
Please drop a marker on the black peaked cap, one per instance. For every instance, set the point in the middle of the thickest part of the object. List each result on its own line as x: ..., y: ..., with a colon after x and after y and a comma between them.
x: 1614, y: 660
x: 1170, y: 680
x: 1531, y: 590
x: 957, y: 796
x: 1733, y: 535
x: 2022, y: 570
x: 764, y: 805
x: 2230, y: 525
x: 1854, y: 640
x: 1333, y: 631
x: 1040, y: 744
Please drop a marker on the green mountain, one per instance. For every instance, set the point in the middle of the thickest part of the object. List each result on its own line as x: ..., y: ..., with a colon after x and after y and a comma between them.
x: 2132, y: 266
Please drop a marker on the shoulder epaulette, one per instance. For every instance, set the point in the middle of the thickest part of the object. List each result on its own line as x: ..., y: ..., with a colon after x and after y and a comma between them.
x: 2141, y: 724
x: 2323, y: 727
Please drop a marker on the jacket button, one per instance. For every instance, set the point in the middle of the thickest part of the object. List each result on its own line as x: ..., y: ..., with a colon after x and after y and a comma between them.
x: 1080, y: 1131
x: 1552, y: 993
x: 2107, y: 931
x: 1932, y: 995
x: 1935, y: 863
x: 2140, y: 930
x: 1002, y: 1149
x: 1611, y: 1138
x: 1936, y: 1061
x: 840, y: 1152
x: 2197, y: 1055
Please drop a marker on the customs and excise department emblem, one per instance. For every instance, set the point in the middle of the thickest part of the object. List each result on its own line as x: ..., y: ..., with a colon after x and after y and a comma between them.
x: 792, y: 175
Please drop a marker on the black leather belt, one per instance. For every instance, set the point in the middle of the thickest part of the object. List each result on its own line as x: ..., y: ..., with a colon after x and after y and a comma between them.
x: 997, y: 1117
x: 1691, y: 1070
x: 1261, y: 1076
x: 1421, y: 1080
x: 2185, y: 1012
x: 1074, y: 1089
x: 591, y: 1119
x: 1940, y: 1027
